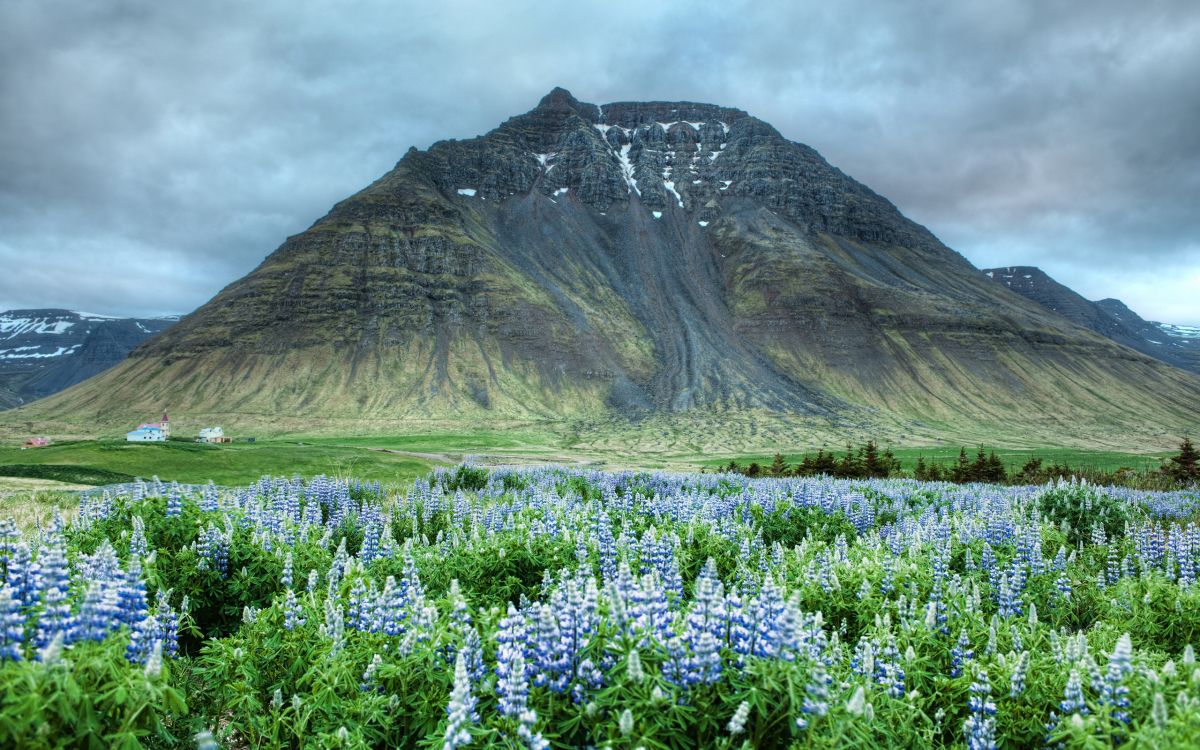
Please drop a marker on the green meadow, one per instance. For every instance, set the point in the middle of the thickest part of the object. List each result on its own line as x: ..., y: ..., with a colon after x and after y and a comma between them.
x: 397, y: 460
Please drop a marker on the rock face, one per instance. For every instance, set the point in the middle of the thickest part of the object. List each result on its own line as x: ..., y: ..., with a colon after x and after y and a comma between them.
x: 1176, y: 345
x: 674, y: 271
x: 45, y: 351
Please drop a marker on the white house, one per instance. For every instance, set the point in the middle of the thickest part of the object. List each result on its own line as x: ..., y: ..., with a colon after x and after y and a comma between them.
x: 211, y: 435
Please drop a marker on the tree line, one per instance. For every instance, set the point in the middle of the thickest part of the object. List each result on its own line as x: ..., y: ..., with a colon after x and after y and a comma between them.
x: 870, y: 461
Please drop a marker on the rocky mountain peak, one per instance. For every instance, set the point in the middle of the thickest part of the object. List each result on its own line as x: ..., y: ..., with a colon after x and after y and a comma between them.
x: 559, y: 99
x: 630, y: 261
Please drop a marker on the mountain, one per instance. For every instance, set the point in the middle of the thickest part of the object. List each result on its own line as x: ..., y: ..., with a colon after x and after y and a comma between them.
x: 1176, y: 345
x: 44, y: 351
x: 637, y: 275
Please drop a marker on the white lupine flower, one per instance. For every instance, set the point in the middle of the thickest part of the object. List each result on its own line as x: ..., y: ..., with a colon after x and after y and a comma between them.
x: 858, y: 702
x: 154, y: 663
x: 737, y: 724
x: 633, y: 667
x: 1158, y: 712
x: 625, y: 723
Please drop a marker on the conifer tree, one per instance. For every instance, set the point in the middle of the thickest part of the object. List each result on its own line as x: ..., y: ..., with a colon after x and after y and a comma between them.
x: 778, y: 466
x: 920, y: 472
x: 995, y: 469
x: 870, y: 458
x: 962, y: 470
x: 980, y: 467
x: 1186, y: 466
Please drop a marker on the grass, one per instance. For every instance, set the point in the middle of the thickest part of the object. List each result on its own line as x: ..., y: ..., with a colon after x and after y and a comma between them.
x: 96, y: 461
x: 34, y: 506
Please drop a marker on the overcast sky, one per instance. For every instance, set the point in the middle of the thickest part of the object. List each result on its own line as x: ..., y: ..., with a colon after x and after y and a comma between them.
x: 152, y: 152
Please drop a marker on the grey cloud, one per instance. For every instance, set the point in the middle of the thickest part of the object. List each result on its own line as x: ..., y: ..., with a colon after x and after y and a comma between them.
x: 150, y: 153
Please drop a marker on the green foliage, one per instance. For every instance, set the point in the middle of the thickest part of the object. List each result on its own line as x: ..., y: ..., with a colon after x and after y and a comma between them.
x: 790, y: 525
x: 495, y: 573
x: 87, y: 697
x: 1076, y: 508
x: 465, y: 478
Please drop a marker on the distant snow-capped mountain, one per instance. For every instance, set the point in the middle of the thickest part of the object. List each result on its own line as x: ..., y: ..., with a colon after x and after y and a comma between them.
x: 45, y: 351
x: 1174, y: 344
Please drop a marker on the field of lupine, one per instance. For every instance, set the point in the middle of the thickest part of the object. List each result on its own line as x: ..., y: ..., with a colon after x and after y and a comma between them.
x: 555, y: 608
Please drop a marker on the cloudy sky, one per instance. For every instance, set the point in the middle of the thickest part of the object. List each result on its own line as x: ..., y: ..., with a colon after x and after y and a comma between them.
x: 152, y: 152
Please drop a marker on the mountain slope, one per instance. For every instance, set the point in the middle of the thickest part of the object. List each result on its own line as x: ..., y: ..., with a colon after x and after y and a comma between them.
x: 663, y: 275
x: 1176, y: 345
x: 45, y: 351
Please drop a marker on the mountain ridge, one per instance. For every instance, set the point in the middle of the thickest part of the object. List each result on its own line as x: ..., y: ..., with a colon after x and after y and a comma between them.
x: 44, y: 351
x: 1108, y: 317
x: 633, y: 270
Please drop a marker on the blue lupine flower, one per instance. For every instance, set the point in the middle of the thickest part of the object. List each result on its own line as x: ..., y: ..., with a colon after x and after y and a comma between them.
x: 285, y: 580
x: 99, y: 613
x: 816, y: 698
x: 512, y: 686
x: 1017, y: 680
x: 1072, y: 701
x: 961, y: 654
x: 980, y: 727
x: 1115, y: 693
x: 21, y: 574
x: 461, y: 710
x: 53, y: 583
x: 292, y: 618
x: 368, y: 678
x: 12, y: 624
x: 137, y: 541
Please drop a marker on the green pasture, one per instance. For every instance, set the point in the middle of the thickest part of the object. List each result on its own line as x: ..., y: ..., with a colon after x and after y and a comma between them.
x: 106, y: 461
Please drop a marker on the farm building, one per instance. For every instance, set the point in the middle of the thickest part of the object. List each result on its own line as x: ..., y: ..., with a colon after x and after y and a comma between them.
x: 36, y: 442
x: 213, y: 435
